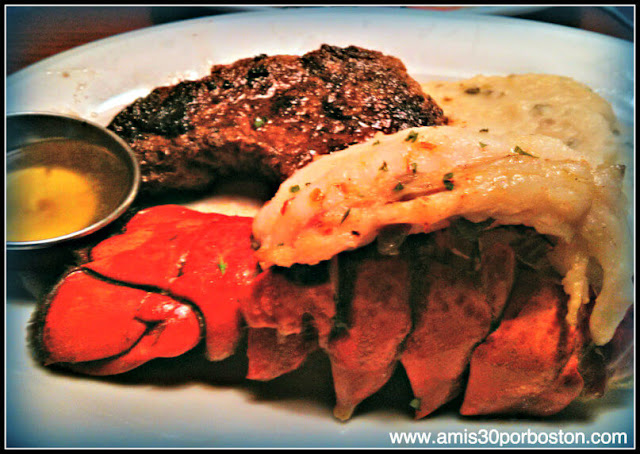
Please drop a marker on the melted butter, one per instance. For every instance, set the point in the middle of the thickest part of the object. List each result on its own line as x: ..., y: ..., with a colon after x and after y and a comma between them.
x: 60, y: 186
x: 47, y: 202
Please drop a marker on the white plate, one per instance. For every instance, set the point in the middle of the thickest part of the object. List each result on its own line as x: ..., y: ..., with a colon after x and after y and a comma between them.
x: 190, y: 407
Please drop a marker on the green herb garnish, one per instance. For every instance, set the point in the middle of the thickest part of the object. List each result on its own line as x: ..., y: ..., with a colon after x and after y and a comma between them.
x: 259, y: 122
x: 411, y: 137
x: 482, y: 144
x: 222, y: 266
x: 519, y: 150
x: 398, y: 187
x: 415, y: 404
x: 377, y: 142
x: 414, y: 167
x: 384, y: 167
x: 346, y: 215
x: 294, y: 188
x: 448, y: 181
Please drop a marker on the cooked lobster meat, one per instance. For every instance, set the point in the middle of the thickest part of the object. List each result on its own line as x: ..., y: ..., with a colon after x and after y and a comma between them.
x: 417, y: 181
x: 269, y: 115
x: 450, y: 319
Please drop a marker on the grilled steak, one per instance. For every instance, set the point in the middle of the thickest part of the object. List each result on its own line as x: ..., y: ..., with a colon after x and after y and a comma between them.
x: 270, y: 114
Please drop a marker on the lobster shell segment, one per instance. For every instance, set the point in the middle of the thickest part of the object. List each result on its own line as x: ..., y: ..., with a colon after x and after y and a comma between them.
x: 103, y: 328
x: 462, y: 314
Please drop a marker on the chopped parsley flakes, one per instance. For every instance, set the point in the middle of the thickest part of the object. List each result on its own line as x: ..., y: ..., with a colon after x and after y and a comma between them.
x: 411, y: 137
x: 346, y: 215
x: 448, y: 181
x: 259, y: 122
x: 519, y: 150
x: 222, y: 266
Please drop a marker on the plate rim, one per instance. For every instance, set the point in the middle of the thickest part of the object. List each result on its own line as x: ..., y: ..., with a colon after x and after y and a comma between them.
x: 462, y: 16
x: 240, y: 15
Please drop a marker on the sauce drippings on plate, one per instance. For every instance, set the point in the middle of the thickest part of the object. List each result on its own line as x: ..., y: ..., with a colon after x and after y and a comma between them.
x: 60, y: 186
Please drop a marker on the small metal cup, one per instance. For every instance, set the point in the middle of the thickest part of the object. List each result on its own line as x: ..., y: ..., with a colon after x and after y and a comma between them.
x: 37, y: 264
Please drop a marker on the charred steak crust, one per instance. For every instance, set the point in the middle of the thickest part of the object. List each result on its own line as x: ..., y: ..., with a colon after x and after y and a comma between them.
x: 270, y: 114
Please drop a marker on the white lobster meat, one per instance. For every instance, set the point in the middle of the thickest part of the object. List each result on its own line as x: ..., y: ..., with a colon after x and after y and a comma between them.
x: 424, y: 177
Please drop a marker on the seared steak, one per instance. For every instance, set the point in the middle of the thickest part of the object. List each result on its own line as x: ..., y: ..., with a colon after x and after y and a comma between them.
x: 270, y: 115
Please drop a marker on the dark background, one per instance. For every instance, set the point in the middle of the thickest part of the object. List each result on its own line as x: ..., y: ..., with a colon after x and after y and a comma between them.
x: 34, y: 33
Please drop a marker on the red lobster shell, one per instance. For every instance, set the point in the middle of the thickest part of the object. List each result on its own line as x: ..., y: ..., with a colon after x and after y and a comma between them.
x: 494, y: 334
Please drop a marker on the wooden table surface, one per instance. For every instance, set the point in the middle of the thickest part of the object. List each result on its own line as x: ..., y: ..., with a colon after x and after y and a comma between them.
x: 34, y: 33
